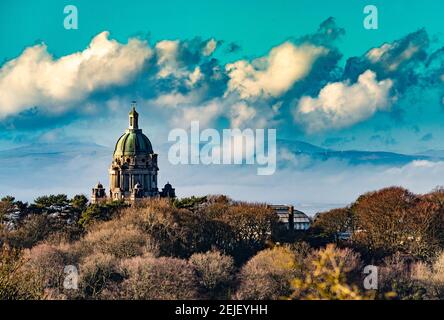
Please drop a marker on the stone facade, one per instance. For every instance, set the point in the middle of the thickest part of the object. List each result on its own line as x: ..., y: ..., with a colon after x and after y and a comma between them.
x: 133, y: 171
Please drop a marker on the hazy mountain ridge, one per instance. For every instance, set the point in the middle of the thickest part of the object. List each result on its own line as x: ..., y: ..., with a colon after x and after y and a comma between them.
x: 54, y: 149
x: 355, y: 157
x: 71, y: 150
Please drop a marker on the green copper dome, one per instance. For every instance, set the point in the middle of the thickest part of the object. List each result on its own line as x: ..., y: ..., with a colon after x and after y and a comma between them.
x: 133, y: 141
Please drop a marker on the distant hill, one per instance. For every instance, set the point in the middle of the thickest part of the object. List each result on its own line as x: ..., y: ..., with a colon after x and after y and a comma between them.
x: 51, y: 153
x: 296, y: 146
x: 54, y: 150
x: 45, y: 168
x: 436, y: 154
x: 356, y: 156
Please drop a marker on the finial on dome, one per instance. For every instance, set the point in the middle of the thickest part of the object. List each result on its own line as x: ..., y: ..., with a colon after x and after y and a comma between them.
x: 133, y: 116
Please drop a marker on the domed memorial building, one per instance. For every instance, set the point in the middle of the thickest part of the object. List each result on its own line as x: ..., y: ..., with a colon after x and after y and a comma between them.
x: 133, y: 171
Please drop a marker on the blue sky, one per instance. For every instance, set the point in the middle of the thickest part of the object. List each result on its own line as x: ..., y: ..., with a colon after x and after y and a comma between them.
x: 225, y: 63
x: 255, y: 24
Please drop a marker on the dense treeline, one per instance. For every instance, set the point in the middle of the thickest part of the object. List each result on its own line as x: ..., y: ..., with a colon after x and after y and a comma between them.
x: 388, y: 221
x: 215, y: 248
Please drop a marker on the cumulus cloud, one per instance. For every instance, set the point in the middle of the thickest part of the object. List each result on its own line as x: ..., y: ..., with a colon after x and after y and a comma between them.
x: 391, y: 57
x: 175, y: 75
x: 274, y: 74
x: 395, y: 55
x: 327, y: 33
x: 341, y: 104
x: 167, y: 58
x: 206, y: 114
x: 210, y: 47
x: 240, y: 114
x: 174, y: 72
x: 174, y: 99
x: 182, y: 62
x: 194, y: 77
x: 36, y: 78
x: 401, y: 60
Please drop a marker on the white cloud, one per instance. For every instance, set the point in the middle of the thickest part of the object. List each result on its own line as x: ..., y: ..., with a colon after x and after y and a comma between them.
x: 375, y: 54
x: 167, y: 58
x: 241, y: 113
x: 405, y: 55
x: 340, y: 104
x: 274, y: 74
x: 424, y: 163
x: 194, y: 77
x: 170, y: 63
x: 205, y: 114
x: 209, y: 47
x: 174, y: 99
x: 36, y: 78
x: 392, y: 55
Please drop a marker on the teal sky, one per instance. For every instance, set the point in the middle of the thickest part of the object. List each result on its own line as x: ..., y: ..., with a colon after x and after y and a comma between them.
x: 256, y: 25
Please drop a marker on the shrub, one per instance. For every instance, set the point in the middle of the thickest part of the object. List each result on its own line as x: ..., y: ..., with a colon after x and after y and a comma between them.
x: 98, y: 272
x: 16, y: 281
x: 159, y: 221
x: 395, y: 278
x: 79, y: 202
x: 251, y: 226
x: 56, y: 200
x: 267, y: 275
x: 438, y: 267
x: 47, y: 262
x: 189, y: 203
x: 351, y: 263
x: 6, y: 206
x: 171, y: 231
x: 62, y: 232
x: 431, y: 277
x: 218, y: 198
x: 122, y: 241
x: 214, y: 272
x: 34, y: 229
x: 158, y: 278
x: 100, y: 212
x: 332, y: 223
x: 327, y: 277
x: 301, y: 251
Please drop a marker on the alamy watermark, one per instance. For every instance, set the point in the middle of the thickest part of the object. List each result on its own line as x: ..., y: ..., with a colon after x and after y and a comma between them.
x: 371, y: 20
x: 235, y: 146
x: 71, y: 21
x: 71, y: 280
x: 371, y: 280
